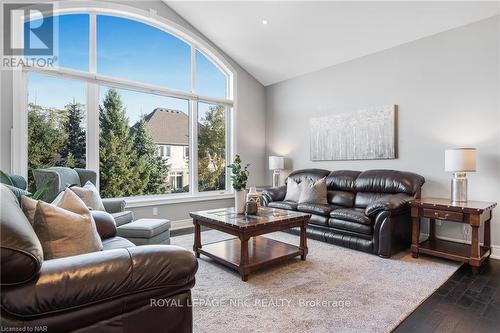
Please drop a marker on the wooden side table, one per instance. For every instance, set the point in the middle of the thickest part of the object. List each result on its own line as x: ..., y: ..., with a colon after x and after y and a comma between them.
x: 473, y: 213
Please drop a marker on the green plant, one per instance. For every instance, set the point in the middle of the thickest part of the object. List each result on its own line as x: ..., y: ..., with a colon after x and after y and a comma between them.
x: 239, y: 175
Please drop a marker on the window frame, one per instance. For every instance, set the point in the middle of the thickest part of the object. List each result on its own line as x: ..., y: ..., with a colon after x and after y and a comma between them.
x: 94, y: 81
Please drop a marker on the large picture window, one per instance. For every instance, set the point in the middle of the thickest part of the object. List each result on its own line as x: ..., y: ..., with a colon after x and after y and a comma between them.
x: 132, y: 119
x: 56, y: 123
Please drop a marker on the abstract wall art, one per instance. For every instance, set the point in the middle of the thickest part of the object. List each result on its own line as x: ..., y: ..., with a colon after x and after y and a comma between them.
x: 369, y: 134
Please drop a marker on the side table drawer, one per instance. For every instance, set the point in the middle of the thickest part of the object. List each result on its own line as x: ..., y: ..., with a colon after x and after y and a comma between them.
x: 443, y: 215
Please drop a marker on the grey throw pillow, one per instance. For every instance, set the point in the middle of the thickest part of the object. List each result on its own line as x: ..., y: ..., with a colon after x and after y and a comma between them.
x: 89, y: 194
x: 292, y: 190
x: 66, y: 229
x: 313, y: 192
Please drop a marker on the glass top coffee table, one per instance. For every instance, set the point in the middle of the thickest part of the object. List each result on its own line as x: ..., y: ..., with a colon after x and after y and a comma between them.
x: 249, y: 250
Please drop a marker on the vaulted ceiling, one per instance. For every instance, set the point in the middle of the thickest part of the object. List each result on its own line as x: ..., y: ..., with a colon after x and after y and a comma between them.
x: 304, y: 36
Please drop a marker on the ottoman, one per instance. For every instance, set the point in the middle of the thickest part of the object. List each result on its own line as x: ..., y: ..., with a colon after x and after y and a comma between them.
x: 146, y: 231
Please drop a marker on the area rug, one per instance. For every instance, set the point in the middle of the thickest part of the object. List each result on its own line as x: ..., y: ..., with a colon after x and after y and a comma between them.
x: 334, y: 290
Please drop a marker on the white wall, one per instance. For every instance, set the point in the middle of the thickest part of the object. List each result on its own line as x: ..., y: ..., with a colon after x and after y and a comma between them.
x: 447, y: 89
x: 249, y: 115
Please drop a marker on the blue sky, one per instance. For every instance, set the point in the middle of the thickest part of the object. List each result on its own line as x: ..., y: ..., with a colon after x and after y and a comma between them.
x: 129, y: 50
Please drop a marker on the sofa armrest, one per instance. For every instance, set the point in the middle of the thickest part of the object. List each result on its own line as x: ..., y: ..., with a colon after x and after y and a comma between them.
x: 105, y: 224
x: 390, y: 202
x: 113, y: 205
x: 83, y: 280
x: 274, y: 194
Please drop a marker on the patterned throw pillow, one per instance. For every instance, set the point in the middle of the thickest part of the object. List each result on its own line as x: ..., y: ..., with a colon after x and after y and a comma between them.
x: 89, y: 194
x: 313, y: 192
x: 66, y: 229
x: 292, y: 190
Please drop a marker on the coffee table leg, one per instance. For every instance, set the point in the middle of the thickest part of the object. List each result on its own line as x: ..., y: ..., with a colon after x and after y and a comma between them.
x: 244, y: 258
x: 197, y: 238
x: 303, y: 241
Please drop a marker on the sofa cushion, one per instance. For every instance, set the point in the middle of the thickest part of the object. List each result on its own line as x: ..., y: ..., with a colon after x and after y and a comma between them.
x: 116, y: 243
x: 318, y: 209
x: 303, y: 174
x: 123, y: 217
x: 350, y: 226
x: 144, y: 228
x: 352, y: 215
x: 341, y: 198
x: 364, y: 199
x: 389, y: 181
x: 290, y: 205
x: 319, y: 220
x: 342, y: 180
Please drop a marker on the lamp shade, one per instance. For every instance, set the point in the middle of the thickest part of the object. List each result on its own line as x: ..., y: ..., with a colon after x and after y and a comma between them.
x: 460, y: 159
x: 276, y: 162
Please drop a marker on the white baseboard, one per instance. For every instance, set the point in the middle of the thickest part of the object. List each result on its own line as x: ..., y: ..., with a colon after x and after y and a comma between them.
x: 495, y: 249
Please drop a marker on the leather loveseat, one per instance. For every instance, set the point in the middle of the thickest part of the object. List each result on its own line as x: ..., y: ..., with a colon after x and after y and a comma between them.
x: 366, y: 211
x: 124, y: 288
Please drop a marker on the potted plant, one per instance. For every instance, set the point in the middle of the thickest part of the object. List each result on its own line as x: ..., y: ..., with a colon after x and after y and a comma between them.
x: 239, y: 177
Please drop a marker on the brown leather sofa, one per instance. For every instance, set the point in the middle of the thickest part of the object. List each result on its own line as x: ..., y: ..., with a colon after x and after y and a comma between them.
x: 366, y: 211
x: 124, y: 288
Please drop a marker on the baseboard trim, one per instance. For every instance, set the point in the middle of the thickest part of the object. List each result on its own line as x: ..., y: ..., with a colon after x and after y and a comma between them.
x: 495, y: 249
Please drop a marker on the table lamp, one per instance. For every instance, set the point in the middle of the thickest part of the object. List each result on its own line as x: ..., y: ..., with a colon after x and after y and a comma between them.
x: 276, y: 163
x: 459, y: 161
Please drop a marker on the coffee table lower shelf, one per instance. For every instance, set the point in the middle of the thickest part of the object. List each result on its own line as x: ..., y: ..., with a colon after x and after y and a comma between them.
x: 262, y: 251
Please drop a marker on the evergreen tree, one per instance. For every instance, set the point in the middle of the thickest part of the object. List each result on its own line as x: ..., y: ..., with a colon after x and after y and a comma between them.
x: 73, y: 154
x: 120, y: 166
x: 45, y: 138
x: 156, y: 171
x: 212, y: 150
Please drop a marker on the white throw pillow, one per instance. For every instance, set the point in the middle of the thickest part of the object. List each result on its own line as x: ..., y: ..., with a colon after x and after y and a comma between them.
x: 89, y: 195
x: 313, y: 192
x: 292, y: 190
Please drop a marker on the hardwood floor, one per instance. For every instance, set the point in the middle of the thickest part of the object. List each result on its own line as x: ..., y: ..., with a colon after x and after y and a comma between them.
x: 466, y: 303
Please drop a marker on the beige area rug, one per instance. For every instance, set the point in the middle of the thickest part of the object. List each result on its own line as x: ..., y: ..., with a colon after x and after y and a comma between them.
x: 334, y: 290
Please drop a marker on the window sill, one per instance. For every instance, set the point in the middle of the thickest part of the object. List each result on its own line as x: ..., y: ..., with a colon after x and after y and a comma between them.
x: 145, y: 201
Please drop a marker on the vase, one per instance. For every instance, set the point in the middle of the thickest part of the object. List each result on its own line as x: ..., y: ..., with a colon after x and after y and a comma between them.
x: 239, y: 201
x: 254, y: 196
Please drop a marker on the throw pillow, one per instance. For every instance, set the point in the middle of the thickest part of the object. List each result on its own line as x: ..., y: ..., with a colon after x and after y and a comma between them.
x: 29, y: 206
x: 66, y: 229
x: 292, y: 190
x: 89, y: 195
x: 313, y: 192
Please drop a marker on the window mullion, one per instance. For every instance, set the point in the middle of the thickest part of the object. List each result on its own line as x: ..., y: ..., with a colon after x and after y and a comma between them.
x: 193, y: 143
x: 92, y: 43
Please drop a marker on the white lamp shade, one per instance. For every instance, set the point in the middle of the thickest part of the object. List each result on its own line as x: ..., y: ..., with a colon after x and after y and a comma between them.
x: 276, y: 163
x: 460, y: 160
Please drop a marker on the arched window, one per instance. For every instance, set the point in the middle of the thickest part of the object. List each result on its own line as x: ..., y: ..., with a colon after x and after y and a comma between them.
x: 146, y: 109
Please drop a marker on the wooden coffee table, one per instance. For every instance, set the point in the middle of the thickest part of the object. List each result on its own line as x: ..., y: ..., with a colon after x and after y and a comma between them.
x: 249, y: 251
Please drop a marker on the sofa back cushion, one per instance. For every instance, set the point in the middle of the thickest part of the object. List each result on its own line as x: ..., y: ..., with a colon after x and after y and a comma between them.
x: 341, y: 186
x: 21, y: 251
x: 311, y: 174
x: 373, y: 184
x: 389, y: 181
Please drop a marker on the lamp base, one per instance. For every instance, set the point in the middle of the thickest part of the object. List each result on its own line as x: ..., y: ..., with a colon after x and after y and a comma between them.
x: 276, y: 178
x: 459, y: 187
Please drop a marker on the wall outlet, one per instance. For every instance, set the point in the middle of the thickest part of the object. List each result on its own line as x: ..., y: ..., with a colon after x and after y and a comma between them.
x: 155, y: 211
